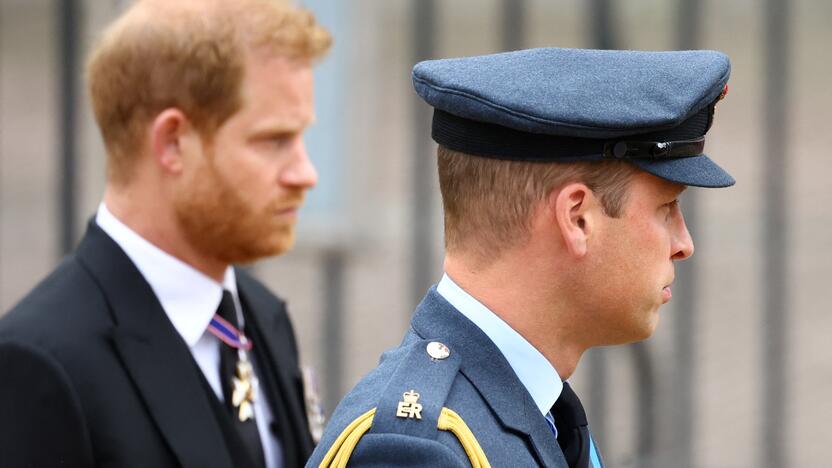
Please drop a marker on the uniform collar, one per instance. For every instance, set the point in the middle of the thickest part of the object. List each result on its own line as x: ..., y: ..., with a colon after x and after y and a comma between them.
x: 188, y: 297
x: 535, y: 372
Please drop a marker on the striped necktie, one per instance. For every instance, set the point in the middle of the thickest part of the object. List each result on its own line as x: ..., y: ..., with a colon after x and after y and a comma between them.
x: 573, y: 433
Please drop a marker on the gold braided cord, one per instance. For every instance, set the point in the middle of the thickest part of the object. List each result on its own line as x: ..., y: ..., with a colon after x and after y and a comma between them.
x: 452, y: 422
x: 340, y: 452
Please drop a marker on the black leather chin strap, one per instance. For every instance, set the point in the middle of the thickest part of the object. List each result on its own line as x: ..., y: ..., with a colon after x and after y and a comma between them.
x: 654, y: 149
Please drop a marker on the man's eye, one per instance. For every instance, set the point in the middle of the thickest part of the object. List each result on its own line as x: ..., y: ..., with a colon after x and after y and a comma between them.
x: 671, y: 208
x: 280, y: 140
x: 275, y: 141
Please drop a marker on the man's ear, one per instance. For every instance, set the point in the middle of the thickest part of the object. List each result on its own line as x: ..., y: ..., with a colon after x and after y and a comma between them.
x: 573, y: 207
x: 168, y: 134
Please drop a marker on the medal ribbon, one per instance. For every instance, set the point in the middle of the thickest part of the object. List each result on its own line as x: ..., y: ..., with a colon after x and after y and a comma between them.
x: 228, y: 333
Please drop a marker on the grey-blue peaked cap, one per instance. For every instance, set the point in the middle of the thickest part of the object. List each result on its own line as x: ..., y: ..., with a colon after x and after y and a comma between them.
x: 649, y: 108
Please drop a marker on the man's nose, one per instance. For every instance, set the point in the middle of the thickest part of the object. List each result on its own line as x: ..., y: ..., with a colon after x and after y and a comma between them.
x: 682, y: 246
x: 300, y: 173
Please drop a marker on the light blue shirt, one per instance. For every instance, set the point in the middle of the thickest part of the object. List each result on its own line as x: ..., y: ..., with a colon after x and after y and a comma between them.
x: 535, y: 372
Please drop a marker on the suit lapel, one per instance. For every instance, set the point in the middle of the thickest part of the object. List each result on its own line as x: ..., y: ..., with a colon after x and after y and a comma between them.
x: 484, y: 365
x: 155, y: 356
x: 270, y: 322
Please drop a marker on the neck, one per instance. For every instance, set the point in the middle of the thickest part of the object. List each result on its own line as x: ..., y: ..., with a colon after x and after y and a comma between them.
x: 151, y: 215
x: 529, y: 301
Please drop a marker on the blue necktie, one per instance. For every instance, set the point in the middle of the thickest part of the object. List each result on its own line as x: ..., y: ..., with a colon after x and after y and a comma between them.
x: 573, y: 433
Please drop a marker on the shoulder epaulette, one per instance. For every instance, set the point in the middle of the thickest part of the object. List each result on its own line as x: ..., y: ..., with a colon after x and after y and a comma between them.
x: 413, y: 405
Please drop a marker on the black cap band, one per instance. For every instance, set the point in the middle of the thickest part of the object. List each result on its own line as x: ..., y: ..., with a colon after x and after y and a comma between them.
x: 499, y: 142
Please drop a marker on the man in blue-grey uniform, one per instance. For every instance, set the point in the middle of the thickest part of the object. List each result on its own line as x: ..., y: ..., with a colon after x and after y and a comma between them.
x: 560, y: 172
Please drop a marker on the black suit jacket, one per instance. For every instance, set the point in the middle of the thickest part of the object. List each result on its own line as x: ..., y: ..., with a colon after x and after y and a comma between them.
x: 92, y: 372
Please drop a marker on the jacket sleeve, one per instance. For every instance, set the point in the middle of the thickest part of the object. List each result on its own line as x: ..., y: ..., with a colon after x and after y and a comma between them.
x: 41, y: 422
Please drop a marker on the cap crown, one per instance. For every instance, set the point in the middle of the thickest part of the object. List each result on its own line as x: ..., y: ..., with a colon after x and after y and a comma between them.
x: 576, y: 92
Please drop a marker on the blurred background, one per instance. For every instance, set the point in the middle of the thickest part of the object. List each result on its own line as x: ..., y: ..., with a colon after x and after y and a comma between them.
x: 739, y: 373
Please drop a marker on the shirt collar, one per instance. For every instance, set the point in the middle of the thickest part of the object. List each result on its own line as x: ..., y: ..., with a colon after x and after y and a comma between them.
x: 535, y: 372
x: 190, y: 299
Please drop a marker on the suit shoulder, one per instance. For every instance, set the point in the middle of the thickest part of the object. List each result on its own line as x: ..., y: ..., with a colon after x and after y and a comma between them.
x: 21, y: 361
x: 65, y: 305
x: 43, y: 423
x: 402, y: 400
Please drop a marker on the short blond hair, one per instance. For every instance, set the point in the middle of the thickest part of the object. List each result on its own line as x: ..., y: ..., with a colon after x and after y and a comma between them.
x: 489, y: 203
x: 189, y: 55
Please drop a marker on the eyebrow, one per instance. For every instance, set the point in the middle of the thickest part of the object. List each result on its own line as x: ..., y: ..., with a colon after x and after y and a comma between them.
x: 275, y: 127
x: 678, y: 189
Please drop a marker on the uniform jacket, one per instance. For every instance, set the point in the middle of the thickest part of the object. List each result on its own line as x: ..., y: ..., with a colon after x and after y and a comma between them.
x: 92, y: 373
x: 475, y: 381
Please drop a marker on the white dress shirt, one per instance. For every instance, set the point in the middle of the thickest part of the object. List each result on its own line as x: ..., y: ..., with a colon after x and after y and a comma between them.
x: 535, y: 372
x: 190, y: 299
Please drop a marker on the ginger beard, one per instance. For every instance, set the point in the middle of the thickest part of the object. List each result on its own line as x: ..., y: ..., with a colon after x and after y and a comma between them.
x: 219, y: 222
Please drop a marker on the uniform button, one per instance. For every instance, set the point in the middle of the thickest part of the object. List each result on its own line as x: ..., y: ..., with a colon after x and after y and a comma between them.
x: 438, y: 351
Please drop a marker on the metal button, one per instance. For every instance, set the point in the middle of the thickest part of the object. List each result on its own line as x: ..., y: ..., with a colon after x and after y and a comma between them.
x: 438, y: 351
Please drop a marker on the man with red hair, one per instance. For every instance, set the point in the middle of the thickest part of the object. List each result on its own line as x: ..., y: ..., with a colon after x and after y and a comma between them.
x: 146, y: 347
